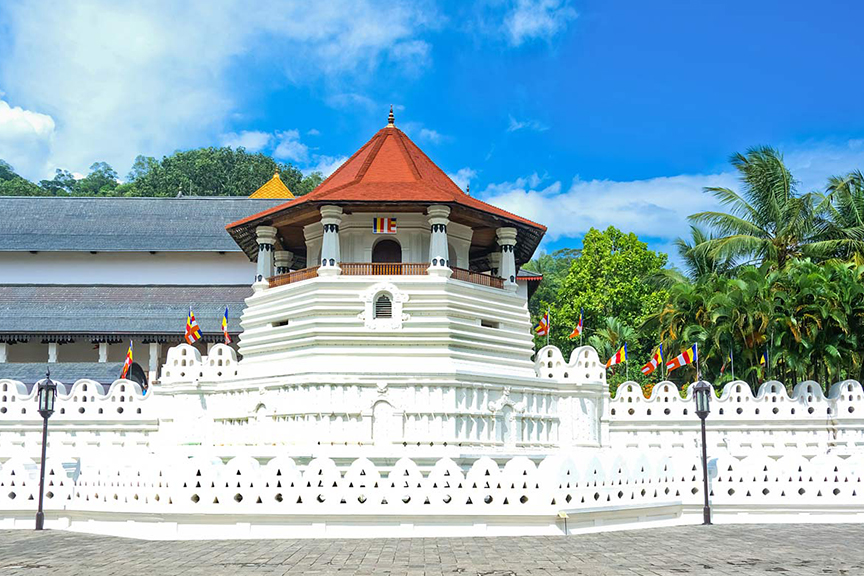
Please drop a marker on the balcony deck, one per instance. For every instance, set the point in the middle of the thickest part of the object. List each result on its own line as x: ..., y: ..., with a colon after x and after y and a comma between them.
x: 382, y: 269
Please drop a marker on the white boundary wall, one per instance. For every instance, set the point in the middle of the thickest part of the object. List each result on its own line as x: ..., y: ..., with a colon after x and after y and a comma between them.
x: 197, y: 498
x: 205, y: 454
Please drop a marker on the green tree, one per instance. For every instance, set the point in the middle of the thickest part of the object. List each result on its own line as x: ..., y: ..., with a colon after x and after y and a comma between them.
x: 609, y: 279
x: 842, y: 218
x: 768, y: 222
x: 6, y: 171
x: 101, y: 181
x: 554, y: 268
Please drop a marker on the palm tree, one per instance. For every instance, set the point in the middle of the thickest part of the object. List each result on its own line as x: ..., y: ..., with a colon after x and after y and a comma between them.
x: 842, y: 214
x: 611, y: 336
x: 769, y: 221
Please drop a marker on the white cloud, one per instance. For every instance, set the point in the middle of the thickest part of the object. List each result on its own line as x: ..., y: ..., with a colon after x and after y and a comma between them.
x: 350, y: 101
x: 655, y: 208
x: 414, y: 55
x: 534, y: 125
x: 326, y: 165
x: 252, y: 141
x: 290, y: 148
x: 463, y: 177
x: 432, y: 136
x: 25, y: 138
x: 313, y: 132
x: 537, y: 20
x: 149, y: 78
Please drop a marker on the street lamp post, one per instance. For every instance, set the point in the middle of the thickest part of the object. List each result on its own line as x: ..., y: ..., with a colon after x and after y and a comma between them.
x: 45, y: 399
x: 702, y: 395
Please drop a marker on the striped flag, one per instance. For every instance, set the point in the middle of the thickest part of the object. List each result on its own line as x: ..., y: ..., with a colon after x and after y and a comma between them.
x: 542, y: 327
x: 384, y: 225
x: 763, y: 359
x: 655, y: 361
x: 577, y: 331
x: 193, y: 331
x: 225, y: 326
x: 688, y: 356
x: 127, y: 364
x: 618, y: 358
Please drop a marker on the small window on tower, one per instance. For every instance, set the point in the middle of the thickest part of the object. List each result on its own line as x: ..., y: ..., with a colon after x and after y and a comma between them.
x: 383, y: 307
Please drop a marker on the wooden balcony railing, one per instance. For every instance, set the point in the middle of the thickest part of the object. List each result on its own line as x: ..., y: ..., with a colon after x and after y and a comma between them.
x: 295, y: 276
x: 477, y: 278
x: 381, y: 269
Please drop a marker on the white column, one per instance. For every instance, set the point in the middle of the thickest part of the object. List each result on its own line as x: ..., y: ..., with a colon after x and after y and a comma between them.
x: 52, y: 352
x: 103, y: 352
x: 438, y: 251
x: 4, y: 351
x: 331, y: 218
x: 495, y: 264
x: 283, y: 261
x: 507, y: 241
x: 155, y: 351
x: 266, y: 239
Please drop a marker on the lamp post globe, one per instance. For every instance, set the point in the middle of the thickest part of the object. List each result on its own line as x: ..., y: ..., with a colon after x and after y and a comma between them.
x: 45, y: 396
x: 702, y: 396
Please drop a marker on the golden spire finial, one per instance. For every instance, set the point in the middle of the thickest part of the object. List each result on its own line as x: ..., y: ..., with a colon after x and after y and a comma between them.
x: 391, y: 121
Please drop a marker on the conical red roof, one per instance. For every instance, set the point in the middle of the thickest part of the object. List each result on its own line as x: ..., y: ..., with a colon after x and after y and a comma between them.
x: 389, y: 170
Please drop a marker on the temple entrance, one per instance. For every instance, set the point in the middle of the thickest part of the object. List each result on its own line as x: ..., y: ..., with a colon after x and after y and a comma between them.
x: 387, y: 252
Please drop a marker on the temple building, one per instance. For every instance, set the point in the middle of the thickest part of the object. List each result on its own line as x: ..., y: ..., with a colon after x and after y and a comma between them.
x: 82, y: 277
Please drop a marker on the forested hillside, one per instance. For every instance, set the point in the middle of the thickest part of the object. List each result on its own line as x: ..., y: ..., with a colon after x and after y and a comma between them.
x: 200, y: 172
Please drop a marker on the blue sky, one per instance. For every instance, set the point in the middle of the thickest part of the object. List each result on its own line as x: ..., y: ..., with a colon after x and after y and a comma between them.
x: 573, y: 113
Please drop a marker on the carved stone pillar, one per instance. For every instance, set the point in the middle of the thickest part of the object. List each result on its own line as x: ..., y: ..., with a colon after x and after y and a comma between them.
x: 495, y: 264
x: 331, y: 218
x: 507, y: 241
x: 439, y: 218
x: 266, y: 240
x: 283, y: 261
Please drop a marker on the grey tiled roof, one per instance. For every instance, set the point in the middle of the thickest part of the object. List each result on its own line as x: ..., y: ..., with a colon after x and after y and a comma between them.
x: 126, y: 309
x: 66, y: 372
x: 187, y: 224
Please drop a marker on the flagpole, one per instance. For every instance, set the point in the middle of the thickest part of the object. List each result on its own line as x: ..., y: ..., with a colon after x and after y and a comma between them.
x: 698, y: 373
x: 732, y: 359
x: 582, y: 327
x: 549, y: 327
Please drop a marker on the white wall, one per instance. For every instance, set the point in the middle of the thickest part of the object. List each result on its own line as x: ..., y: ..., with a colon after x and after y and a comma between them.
x: 125, y: 268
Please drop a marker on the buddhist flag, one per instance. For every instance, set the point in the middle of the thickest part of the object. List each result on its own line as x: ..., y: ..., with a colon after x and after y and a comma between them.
x: 384, y: 225
x: 577, y: 331
x: 726, y: 362
x: 618, y: 358
x: 763, y: 359
x: 193, y: 331
x: 128, y: 363
x: 688, y: 356
x: 655, y: 361
x: 225, y: 326
x: 542, y: 327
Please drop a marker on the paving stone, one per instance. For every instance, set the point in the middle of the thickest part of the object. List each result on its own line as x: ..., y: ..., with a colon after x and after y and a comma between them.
x: 787, y: 550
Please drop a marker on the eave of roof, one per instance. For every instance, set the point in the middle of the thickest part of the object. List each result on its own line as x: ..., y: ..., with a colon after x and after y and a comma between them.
x: 390, y: 170
x: 156, y: 312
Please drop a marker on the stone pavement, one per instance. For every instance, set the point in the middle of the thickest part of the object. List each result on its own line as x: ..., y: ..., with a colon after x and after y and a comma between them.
x: 791, y: 550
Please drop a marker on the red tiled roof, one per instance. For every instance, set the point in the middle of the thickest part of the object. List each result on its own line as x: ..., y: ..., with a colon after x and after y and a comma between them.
x: 391, y: 168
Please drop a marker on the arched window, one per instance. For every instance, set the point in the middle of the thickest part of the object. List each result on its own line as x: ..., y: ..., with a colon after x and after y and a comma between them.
x: 383, y: 306
x: 451, y: 253
x: 387, y: 251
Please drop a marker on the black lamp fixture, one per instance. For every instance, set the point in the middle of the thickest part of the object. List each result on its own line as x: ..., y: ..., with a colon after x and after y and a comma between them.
x: 702, y: 395
x: 46, y: 395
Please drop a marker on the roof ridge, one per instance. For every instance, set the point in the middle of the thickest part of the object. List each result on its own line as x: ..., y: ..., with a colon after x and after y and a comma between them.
x: 407, y: 155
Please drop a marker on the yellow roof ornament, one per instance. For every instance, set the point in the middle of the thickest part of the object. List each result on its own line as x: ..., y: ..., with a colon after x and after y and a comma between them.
x: 273, y: 188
